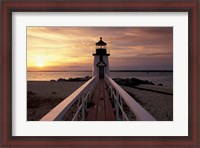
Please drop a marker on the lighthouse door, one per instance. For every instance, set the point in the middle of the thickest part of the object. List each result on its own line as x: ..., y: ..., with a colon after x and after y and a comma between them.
x: 101, y: 72
x: 101, y: 66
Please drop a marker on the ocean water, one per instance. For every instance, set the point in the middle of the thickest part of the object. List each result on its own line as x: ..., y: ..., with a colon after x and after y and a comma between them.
x: 166, y: 78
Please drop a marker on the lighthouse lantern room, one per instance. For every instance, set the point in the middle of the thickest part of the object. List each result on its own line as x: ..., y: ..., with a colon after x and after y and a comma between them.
x: 101, y: 63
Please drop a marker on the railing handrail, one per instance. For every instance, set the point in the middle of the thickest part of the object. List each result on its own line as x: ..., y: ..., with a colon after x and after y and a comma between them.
x: 58, y: 112
x: 136, y: 108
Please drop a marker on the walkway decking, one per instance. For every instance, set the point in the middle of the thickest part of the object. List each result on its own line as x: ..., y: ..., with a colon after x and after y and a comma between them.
x: 101, y: 110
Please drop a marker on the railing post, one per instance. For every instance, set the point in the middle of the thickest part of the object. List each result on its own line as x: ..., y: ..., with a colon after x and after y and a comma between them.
x: 117, y: 106
x: 111, y: 92
x: 59, y: 111
x: 134, y: 106
x: 122, y: 109
x: 78, y: 103
x: 83, y: 108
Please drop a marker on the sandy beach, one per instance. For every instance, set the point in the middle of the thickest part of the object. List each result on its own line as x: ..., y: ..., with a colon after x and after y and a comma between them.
x: 158, y: 104
x: 45, y: 95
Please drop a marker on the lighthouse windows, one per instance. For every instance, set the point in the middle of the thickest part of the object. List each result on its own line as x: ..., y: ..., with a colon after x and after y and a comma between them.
x: 101, y: 47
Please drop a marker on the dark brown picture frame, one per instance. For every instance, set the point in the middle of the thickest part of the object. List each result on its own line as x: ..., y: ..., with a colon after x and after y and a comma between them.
x: 9, y: 6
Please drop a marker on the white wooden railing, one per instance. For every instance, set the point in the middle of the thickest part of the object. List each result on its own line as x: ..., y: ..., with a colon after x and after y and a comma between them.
x: 85, y: 92
x: 121, y: 96
x: 81, y: 95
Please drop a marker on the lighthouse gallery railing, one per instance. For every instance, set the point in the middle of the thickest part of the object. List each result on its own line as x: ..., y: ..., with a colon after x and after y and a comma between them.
x: 82, y: 94
x: 119, y: 94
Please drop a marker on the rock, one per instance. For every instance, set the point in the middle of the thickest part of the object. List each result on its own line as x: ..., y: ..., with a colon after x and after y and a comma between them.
x: 29, y: 93
x: 151, y: 83
x: 76, y: 79
x: 160, y: 84
x: 52, y: 80
x: 118, y: 79
x: 86, y: 78
x: 132, y: 81
x: 61, y: 80
x: 54, y: 92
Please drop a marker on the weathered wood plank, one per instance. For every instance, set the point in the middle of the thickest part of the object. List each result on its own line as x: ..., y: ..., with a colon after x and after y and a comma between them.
x: 93, y: 109
x: 102, y: 108
x: 108, y: 105
x: 101, y: 104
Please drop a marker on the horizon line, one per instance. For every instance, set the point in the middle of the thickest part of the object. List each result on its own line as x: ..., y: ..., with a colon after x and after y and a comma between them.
x: 110, y: 71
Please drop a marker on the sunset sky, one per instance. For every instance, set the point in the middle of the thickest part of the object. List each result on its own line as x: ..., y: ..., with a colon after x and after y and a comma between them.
x: 70, y: 48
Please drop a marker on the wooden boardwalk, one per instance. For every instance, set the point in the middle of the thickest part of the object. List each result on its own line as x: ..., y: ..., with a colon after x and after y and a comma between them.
x: 101, y: 110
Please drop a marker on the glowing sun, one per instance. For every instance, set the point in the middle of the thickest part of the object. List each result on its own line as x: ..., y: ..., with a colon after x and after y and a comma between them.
x: 40, y: 62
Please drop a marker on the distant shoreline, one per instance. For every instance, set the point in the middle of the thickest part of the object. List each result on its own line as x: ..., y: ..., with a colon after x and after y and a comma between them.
x: 112, y: 71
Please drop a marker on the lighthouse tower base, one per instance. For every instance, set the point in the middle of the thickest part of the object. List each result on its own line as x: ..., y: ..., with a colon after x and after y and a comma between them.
x: 96, y: 69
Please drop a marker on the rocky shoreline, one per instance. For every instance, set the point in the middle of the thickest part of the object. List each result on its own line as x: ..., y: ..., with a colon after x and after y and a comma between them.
x: 86, y: 78
x: 133, y: 82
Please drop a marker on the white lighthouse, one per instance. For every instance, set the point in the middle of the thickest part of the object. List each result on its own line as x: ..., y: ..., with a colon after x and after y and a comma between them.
x: 101, y: 63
